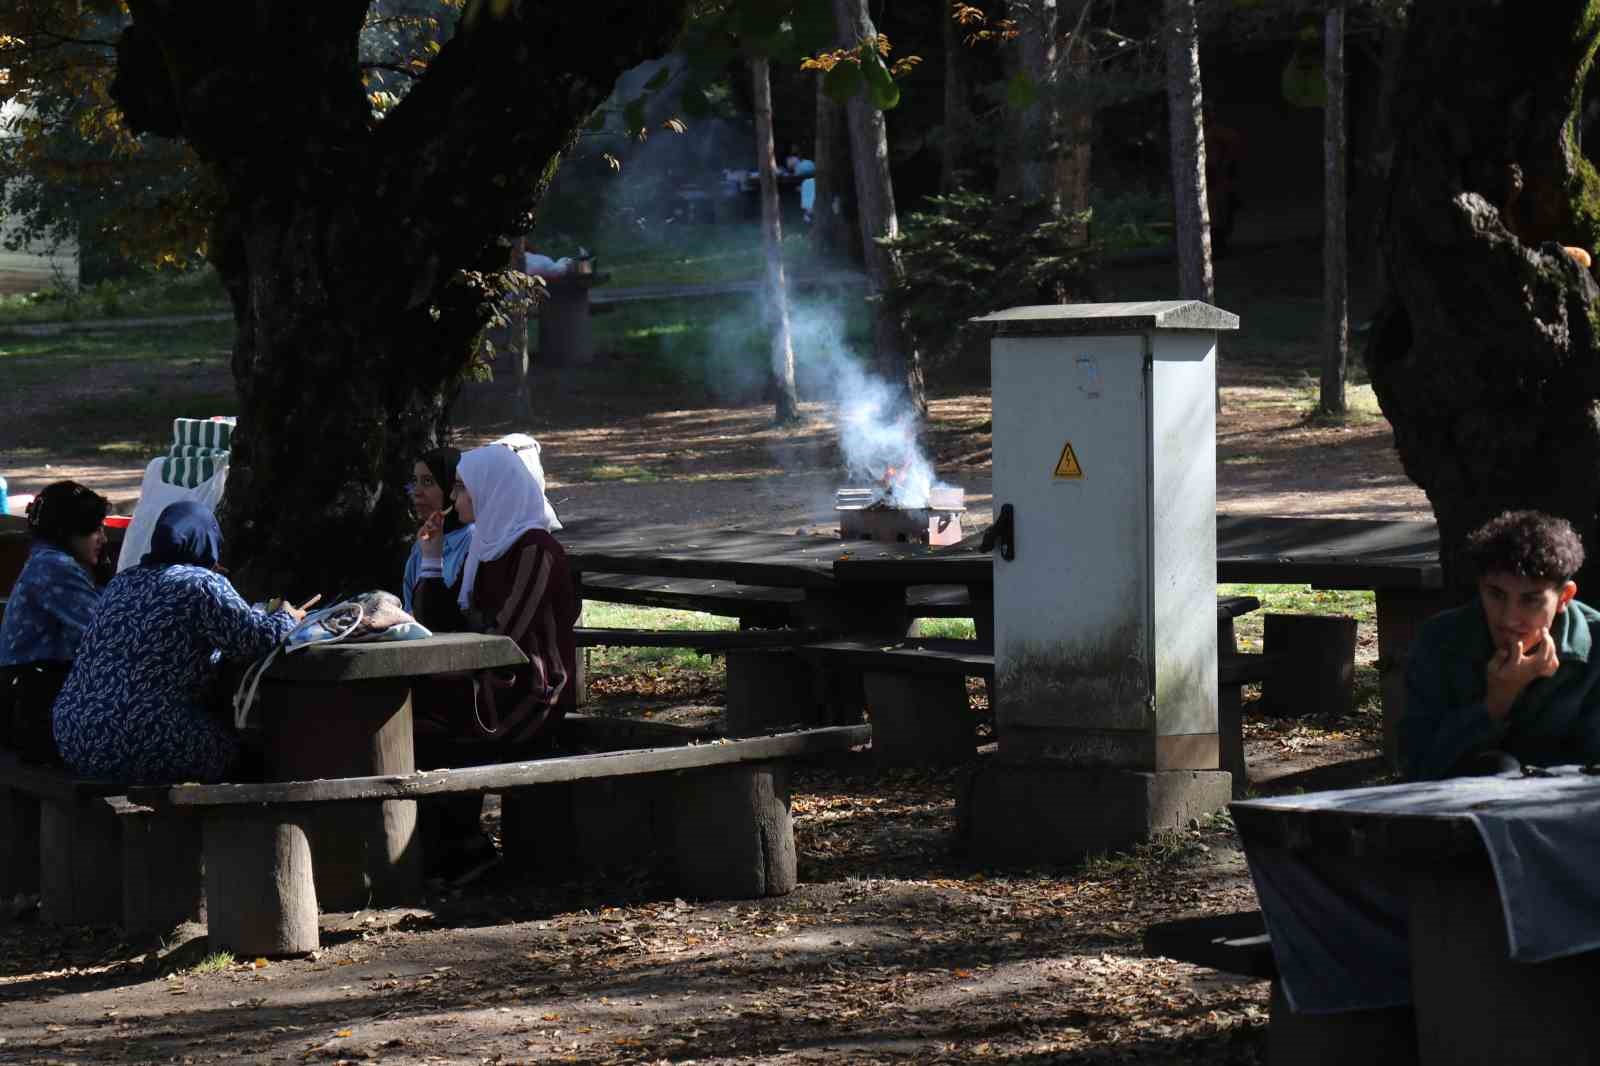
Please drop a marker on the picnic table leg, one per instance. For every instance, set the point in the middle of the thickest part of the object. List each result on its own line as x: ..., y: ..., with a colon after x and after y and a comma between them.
x: 366, y: 854
x: 261, y: 898
x: 732, y: 833
x: 19, y: 844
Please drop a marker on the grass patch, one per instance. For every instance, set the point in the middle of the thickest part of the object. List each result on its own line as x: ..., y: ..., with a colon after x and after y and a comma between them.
x: 614, y: 472
x: 613, y: 662
x: 1297, y: 599
x: 216, y: 962
x: 193, y: 292
x: 947, y: 628
x: 694, y: 253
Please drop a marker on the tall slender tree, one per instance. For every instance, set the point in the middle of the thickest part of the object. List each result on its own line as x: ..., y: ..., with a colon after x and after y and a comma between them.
x: 1186, y: 124
x: 1335, y: 236
x: 774, y: 291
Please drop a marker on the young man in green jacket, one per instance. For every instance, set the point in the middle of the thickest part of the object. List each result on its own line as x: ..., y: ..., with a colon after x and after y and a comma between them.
x: 1513, y: 678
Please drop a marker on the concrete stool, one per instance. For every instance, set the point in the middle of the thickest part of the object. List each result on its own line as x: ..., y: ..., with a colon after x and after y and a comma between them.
x: 769, y: 690
x: 1316, y: 662
x: 919, y: 719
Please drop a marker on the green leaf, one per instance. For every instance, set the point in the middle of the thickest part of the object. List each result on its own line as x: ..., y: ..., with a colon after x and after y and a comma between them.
x: 842, y: 82
x: 881, y: 87
x: 1021, y: 92
x: 657, y: 80
x: 1303, y: 81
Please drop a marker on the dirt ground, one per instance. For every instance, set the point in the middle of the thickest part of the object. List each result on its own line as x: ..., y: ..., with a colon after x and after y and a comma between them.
x: 894, y: 949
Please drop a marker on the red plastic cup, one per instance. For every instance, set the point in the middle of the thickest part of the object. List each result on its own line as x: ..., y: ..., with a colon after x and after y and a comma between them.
x: 118, y: 521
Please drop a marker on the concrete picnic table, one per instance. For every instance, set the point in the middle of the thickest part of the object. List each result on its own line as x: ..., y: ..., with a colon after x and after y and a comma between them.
x: 1432, y: 892
x: 344, y: 710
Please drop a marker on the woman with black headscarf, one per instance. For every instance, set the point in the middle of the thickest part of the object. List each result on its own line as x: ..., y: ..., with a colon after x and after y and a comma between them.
x: 433, y: 479
x: 134, y: 707
x: 48, y: 611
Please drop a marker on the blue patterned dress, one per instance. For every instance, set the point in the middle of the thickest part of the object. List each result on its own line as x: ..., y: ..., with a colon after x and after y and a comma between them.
x: 134, y: 706
x: 49, y: 608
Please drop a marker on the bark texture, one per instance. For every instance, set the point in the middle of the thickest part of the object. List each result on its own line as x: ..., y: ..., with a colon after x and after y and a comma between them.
x: 774, y: 292
x: 830, y: 229
x: 1335, y: 236
x: 957, y: 146
x: 1484, y: 355
x: 1185, y: 116
x: 895, y: 357
x: 355, y: 250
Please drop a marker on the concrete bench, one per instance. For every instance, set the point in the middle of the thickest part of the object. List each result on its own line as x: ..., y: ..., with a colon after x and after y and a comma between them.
x: 93, y: 857
x: 1239, y: 944
x: 720, y: 809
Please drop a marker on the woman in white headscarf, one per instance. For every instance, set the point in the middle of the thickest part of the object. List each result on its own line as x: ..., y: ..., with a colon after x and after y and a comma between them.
x: 515, y: 582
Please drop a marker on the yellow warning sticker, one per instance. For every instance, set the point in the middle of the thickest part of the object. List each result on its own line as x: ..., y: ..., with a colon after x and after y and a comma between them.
x: 1067, y: 466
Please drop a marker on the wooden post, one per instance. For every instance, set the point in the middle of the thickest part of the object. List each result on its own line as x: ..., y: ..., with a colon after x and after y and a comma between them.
x: 733, y: 837
x: 1335, y: 254
x: 261, y: 898
x: 162, y: 872
x: 81, y: 884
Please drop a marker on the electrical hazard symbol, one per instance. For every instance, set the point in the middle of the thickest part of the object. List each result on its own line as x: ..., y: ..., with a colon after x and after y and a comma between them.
x: 1067, y: 466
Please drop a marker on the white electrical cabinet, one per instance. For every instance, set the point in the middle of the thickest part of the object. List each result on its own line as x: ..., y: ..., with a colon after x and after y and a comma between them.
x: 1105, y: 591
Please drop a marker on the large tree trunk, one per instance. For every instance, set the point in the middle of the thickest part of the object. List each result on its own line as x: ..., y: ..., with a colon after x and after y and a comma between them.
x: 1185, y: 118
x: 355, y: 251
x: 1484, y: 356
x: 896, y: 358
x: 774, y: 294
x: 1031, y: 130
x: 1335, y: 237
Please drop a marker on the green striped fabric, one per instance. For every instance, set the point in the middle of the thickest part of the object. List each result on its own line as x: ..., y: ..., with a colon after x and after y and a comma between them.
x: 199, y: 446
x: 203, y: 433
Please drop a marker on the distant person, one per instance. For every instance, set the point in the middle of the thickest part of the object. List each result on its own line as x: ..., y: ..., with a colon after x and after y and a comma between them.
x: 137, y: 706
x: 1513, y: 678
x: 433, y: 478
x: 47, y: 612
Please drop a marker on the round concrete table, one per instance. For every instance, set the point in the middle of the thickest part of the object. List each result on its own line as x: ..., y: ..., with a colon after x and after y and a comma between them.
x: 344, y: 710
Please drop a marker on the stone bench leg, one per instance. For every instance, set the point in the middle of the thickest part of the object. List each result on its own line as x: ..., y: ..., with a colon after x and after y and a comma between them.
x: 1474, y: 1004
x: 918, y: 719
x: 261, y: 898
x: 80, y: 863
x: 732, y: 834
x: 1320, y: 676
x: 19, y: 844
x: 1386, y: 1037
x: 163, y: 881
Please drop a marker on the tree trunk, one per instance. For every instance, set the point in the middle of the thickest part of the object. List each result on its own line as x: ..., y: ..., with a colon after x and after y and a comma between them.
x: 830, y: 230
x: 1335, y: 238
x: 896, y: 359
x: 774, y: 295
x: 1484, y: 354
x: 357, y: 252
x: 960, y: 125
x: 1033, y: 129
x: 1186, y: 117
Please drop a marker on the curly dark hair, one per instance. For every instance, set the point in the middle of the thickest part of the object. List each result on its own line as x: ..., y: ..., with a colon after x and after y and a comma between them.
x: 1526, y: 544
x: 66, y: 509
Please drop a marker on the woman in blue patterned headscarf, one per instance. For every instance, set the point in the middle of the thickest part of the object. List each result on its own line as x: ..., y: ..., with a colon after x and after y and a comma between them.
x: 134, y: 707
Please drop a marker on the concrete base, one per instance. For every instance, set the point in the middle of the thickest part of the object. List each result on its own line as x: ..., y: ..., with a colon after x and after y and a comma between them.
x: 1022, y: 812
